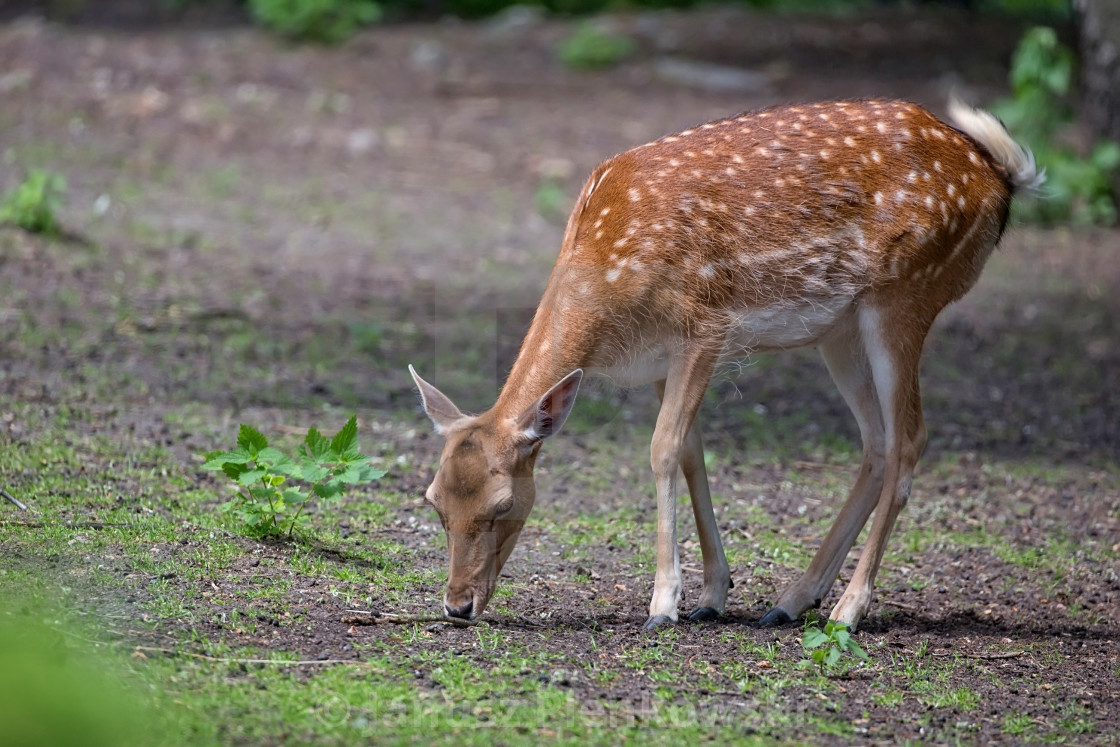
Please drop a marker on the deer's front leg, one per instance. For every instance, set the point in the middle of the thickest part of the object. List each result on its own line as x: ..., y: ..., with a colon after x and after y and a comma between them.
x: 717, y: 575
x: 683, y: 390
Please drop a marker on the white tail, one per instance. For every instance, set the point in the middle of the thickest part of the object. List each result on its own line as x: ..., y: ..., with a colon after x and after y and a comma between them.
x: 843, y: 225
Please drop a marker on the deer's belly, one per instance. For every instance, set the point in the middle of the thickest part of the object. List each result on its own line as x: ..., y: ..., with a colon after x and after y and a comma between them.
x: 783, y: 328
x: 748, y: 330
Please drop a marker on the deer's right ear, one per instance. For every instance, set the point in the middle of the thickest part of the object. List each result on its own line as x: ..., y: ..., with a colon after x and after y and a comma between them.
x: 440, y: 409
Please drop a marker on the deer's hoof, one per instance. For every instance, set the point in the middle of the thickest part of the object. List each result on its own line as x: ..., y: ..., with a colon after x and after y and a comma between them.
x: 776, y: 616
x: 657, y: 621
x: 703, y: 614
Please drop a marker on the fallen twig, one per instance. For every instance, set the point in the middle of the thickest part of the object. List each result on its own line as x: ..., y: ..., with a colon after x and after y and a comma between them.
x: 366, y: 617
x: 900, y: 605
x: 225, y: 660
x: 965, y: 654
x: 13, y: 499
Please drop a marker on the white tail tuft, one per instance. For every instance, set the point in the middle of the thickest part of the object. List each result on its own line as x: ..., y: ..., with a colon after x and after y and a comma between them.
x: 990, y: 132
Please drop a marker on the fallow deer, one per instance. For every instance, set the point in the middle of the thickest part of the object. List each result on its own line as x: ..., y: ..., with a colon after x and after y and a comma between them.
x: 846, y: 225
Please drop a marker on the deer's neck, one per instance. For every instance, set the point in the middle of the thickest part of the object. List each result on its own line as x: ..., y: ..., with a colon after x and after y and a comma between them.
x: 562, y: 338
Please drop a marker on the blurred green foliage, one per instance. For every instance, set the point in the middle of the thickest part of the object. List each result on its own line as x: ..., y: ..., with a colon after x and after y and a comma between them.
x: 1078, y: 185
x: 590, y: 47
x: 322, y: 21
x: 33, y: 204
x: 54, y: 692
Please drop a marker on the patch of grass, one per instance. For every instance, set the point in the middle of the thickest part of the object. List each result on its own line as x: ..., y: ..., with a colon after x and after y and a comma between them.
x: 1017, y: 724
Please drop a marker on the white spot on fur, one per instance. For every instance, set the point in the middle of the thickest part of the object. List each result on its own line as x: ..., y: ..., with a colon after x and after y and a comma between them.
x: 612, y: 274
x: 881, y: 126
x: 937, y: 166
x: 929, y: 202
x: 878, y: 198
x: 621, y: 243
x: 876, y: 157
x: 736, y: 158
x: 707, y: 271
x: 850, y: 141
x: 912, y: 177
x: 961, y: 202
x: 604, y: 211
x: 973, y: 158
x: 901, y: 195
x: 635, y: 195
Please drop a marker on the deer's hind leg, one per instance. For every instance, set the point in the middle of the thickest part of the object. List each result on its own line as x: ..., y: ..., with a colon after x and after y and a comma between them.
x: 894, y: 339
x: 846, y: 356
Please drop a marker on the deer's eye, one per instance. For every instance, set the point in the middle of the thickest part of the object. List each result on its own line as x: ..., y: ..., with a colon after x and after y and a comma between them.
x: 504, y: 507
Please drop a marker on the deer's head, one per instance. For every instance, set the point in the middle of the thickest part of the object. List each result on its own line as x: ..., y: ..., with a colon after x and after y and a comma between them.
x: 483, y: 490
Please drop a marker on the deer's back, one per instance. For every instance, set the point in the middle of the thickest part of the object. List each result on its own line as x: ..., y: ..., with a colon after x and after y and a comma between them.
x: 802, y: 208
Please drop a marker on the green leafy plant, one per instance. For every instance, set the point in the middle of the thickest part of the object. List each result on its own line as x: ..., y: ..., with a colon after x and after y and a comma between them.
x: 323, y: 21
x: 1078, y: 186
x: 269, y: 501
x: 825, y: 647
x: 33, y: 204
x: 590, y: 47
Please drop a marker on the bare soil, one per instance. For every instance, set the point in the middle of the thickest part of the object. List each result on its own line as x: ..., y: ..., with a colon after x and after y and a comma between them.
x: 266, y: 207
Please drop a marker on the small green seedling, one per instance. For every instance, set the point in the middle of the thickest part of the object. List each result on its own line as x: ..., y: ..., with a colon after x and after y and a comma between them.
x: 825, y: 647
x: 267, y: 502
x: 33, y: 204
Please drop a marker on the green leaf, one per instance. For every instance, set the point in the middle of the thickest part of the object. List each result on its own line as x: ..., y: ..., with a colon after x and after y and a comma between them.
x: 832, y: 657
x: 312, y: 471
x: 345, y: 442
x: 215, y: 459
x: 352, y: 475
x: 249, y: 476
x: 251, y: 439
x: 290, y: 468
x: 271, y: 456
x: 812, y: 638
x: 234, y: 470
x: 328, y: 490
x: 855, y: 648
x: 294, y: 496
x: 318, y: 445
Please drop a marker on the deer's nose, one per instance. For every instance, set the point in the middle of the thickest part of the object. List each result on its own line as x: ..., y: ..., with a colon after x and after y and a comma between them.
x: 464, y: 611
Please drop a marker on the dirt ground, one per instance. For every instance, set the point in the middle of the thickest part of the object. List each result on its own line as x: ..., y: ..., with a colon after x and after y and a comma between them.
x: 260, y: 233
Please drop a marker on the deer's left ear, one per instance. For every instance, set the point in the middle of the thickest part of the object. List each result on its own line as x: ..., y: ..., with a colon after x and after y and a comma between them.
x: 546, y: 416
x: 440, y: 409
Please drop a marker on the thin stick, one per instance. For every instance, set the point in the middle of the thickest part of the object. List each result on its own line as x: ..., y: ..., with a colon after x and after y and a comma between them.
x: 1002, y: 655
x: 224, y: 660
x: 372, y: 618
x: 13, y: 499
